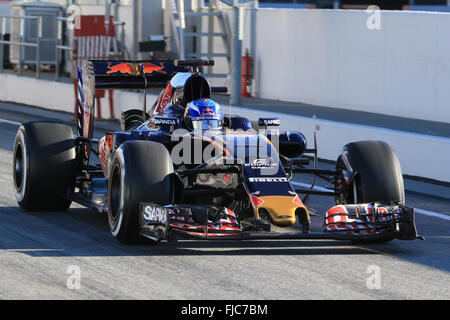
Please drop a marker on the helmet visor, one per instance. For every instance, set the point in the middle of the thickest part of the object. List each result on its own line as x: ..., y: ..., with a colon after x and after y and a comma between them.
x: 200, y: 125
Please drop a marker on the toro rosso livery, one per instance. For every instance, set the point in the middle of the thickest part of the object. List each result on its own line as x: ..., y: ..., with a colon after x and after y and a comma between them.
x: 185, y: 168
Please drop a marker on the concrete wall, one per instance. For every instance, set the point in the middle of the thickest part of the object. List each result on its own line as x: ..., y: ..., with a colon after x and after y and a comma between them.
x: 431, y: 162
x: 60, y: 96
x: 331, y: 58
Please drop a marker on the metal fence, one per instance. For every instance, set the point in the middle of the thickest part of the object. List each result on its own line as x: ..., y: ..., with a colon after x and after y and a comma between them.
x: 21, y: 43
x: 60, y: 46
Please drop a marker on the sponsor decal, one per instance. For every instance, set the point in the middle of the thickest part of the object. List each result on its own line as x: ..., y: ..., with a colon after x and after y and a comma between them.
x: 125, y: 68
x: 154, y: 214
x: 165, y: 99
x: 162, y: 121
x: 255, y: 200
x: 102, y: 155
x: 133, y: 68
x: 267, y: 179
x: 267, y: 122
x: 109, y: 140
x: 260, y: 163
x: 150, y: 68
x: 208, y: 112
x: 297, y: 200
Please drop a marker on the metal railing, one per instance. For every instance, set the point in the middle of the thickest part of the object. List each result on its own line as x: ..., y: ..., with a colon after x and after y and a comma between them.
x: 177, y: 23
x: 60, y: 47
x: 21, y: 43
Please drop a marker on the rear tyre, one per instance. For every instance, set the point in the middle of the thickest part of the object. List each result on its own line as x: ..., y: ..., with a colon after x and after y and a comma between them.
x: 44, y: 165
x: 141, y: 171
x: 377, y: 176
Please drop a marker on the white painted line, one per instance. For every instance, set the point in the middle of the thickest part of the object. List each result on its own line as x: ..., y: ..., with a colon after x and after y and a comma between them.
x: 10, y: 122
x: 417, y: 210
x: 433, y: 214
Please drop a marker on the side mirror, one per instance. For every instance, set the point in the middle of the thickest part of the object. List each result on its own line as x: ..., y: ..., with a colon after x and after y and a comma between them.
x: 269, y: 122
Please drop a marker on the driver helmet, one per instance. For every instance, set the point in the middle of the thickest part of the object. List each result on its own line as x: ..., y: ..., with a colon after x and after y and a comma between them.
x: 203, y: 114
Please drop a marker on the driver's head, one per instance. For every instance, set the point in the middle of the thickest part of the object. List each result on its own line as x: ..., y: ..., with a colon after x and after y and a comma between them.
x: 203, y: 114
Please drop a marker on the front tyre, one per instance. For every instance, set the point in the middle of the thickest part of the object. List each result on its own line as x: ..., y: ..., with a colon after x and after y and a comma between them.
x: 141, y: 171
x: 376, y: 176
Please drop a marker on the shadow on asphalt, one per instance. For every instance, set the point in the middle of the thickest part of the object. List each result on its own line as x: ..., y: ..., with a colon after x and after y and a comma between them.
x: 216, y: 250
x: 82, y: 232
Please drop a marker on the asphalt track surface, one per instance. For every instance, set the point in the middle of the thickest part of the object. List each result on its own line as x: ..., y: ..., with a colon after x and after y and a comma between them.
x: 37, y: 251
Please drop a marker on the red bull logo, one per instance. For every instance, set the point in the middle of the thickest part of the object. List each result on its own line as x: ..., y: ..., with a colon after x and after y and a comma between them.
x: 150, y: 68
x: 133, y: 68
x: 208, y: 112
x: 125, y: 68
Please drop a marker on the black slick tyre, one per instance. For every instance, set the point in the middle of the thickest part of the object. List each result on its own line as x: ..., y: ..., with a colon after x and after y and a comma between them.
x: 44, y: 165
x: 141, y: 171
x: 377, y: 176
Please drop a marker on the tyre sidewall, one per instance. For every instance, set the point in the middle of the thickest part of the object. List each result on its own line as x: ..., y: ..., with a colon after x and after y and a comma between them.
x: 378, y: 173
x: 134, y: 164
x: 49, y: 165
x: 20, y: 146
x: 118, y: 223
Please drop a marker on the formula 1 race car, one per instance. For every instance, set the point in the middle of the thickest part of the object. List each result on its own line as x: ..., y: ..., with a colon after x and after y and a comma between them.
x: 185, y: 169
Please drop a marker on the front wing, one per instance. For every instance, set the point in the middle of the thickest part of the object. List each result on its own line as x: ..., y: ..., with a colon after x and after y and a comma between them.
x: 344, y: 222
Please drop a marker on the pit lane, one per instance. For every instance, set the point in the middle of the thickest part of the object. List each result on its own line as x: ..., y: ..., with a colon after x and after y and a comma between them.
x: 37, y: 250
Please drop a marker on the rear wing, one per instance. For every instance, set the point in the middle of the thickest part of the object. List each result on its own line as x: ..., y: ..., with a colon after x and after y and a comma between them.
x: 99, y: 74
x: 131, y: 74
x: 125, y: 74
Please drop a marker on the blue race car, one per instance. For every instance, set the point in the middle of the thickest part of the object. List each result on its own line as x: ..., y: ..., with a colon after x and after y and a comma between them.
x: 183, y: 168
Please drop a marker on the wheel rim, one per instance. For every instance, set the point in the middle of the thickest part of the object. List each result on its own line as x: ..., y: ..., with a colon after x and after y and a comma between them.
x: 117, y: 200
x: 115, y: 195
x: 20, y: 169
x: 350, y: 196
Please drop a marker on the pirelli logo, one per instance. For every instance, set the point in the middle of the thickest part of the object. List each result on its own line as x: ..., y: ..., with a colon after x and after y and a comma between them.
x: 267, y: 179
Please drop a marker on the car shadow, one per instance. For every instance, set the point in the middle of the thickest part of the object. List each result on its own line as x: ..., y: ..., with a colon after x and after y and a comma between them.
x: 83, y: 232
